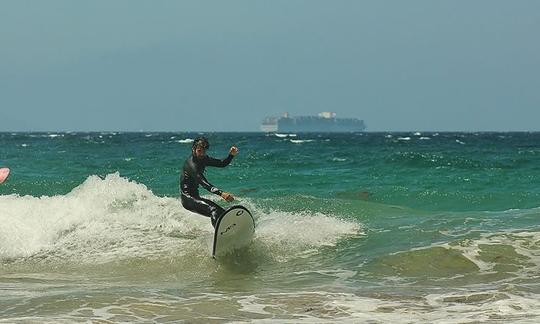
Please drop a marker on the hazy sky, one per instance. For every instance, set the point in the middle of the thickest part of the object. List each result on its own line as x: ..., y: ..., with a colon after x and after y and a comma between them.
x: 224, y: 65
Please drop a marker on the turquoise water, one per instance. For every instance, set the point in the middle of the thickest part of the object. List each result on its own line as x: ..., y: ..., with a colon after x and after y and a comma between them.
x: 376, y: 227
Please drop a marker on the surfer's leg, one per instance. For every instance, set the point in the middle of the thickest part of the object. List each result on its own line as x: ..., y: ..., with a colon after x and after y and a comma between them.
x: 215, y: 210
x: 202, y: 206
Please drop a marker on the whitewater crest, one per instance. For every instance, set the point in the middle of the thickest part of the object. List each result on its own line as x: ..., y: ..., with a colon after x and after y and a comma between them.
x: 112, y: 218
x: 99, y: 220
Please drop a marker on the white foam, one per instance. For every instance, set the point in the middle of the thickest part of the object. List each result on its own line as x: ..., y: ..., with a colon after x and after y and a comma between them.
x: 286, y: 235
x: 524, y: 243
x: 185, y: 141
x: 111, y: 219
x: 301, y: 141
x: 98, y: 221
x: 331, y: 307
x: 284, y: 135
x: 485, y: 306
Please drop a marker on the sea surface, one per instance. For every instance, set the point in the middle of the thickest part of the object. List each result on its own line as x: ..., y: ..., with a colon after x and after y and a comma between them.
x: 354, y: 228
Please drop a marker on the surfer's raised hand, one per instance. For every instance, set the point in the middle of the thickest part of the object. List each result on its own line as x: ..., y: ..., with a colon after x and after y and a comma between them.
x: 233, y: 151
x: 227, y: 196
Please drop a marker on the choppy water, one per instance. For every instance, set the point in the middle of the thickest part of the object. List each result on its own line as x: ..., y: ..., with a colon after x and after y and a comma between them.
x: 369, y: 227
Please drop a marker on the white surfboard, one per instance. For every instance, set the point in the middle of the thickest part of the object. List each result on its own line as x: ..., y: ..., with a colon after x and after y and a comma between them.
x: 4, y: 173
x: 234, y: 230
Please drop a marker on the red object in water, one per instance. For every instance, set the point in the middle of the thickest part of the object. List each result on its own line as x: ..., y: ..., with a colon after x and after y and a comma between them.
x: 4, y: 174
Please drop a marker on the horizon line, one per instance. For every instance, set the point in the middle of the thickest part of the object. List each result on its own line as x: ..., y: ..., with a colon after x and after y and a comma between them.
x: 252, y: 131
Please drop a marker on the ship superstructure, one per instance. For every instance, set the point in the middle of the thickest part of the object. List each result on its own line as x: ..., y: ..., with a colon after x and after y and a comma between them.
x: 323, y: 122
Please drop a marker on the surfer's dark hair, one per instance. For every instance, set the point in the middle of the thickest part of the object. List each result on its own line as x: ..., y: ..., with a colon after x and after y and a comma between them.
x: 201, y: 142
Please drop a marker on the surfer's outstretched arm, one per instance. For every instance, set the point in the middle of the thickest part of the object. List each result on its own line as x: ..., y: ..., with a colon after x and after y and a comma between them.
x: 210, y: 161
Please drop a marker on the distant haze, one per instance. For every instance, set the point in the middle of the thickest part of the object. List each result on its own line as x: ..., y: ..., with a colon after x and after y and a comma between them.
x: 224, y: 65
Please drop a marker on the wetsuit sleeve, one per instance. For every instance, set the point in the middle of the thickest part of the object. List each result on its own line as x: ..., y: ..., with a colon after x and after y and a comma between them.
x: 210, y: 161
x: 207, y: 185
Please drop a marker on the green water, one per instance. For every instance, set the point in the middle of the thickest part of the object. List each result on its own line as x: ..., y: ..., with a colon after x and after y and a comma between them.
x: 381, y: 227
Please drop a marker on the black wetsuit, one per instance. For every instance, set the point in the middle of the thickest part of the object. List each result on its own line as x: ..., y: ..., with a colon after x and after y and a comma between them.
x: 192, y: 177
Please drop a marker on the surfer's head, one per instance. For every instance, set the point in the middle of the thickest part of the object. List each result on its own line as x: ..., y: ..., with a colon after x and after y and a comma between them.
x: 200, y: 145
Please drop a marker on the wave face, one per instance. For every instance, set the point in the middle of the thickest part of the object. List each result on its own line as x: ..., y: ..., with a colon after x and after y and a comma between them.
x: 113, y: 219
x: 382, y: 227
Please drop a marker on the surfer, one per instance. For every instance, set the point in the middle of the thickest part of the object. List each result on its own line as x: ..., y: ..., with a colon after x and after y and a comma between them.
x: 193, y: 176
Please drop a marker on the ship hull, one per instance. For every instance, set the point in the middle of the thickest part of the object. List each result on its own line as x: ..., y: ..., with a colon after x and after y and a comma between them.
x: 312, y: 124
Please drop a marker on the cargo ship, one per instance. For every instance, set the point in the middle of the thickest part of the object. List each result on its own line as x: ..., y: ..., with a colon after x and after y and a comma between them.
x: 324, y: 122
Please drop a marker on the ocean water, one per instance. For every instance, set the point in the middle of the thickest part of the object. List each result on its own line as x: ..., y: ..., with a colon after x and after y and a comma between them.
x: 367, y: 227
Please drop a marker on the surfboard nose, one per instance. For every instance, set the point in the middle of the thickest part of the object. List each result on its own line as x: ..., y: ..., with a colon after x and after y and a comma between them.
x: 234, y: 229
